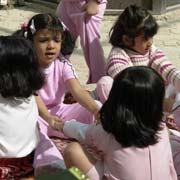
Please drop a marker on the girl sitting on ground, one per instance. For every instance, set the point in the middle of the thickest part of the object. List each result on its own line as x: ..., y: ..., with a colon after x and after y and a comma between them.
x: 131, y: 141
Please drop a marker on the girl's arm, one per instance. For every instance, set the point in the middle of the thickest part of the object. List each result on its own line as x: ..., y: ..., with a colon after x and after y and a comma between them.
x: 53, y: 121
x: 163, y: 66
x: 74, y: 129
x: 89, y: 134
x: 82, y: 96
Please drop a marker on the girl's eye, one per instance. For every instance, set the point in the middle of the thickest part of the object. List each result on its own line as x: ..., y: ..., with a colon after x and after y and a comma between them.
x: 58, y: 40
x: 43, y: 40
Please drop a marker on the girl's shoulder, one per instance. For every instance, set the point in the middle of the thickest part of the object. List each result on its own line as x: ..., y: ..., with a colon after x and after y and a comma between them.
x: 62, y: 59
x: 118, y: 52
x: 64, y: 65
x: 163, y: 132
x: 154, y: 49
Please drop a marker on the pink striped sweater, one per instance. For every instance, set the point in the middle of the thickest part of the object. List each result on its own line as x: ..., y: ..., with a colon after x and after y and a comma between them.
x: 119, y: 59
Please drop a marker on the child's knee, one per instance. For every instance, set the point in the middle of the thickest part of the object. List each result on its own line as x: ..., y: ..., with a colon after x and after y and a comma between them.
x: 103, y: 88
x: 72, y: 154
x: 71, y: 149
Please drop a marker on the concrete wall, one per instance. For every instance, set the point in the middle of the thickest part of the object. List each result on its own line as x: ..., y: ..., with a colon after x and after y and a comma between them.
x: 156, y: 6
x: 121, y: 4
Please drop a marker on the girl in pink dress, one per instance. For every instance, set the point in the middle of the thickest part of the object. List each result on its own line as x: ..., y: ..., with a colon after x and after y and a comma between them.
x: 49, y: 36
x: 83, y: 19
x: 131, y: 141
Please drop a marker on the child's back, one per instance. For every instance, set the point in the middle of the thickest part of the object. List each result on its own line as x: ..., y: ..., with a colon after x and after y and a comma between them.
x: 131, y: 140
x: 17, y: 116
x: 153, y: 162
x: 20, y: 78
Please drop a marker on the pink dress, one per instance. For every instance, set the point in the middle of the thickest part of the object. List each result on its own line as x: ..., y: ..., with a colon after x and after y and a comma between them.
x: 118, y: 163
x: 52, y: 94
x: 71, y: 13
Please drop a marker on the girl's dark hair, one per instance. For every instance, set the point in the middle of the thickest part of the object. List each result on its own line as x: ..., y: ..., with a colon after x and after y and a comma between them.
x: 20, y: 75
x: 132, y: 22
x: 134, y: 109
x: 53, y: 23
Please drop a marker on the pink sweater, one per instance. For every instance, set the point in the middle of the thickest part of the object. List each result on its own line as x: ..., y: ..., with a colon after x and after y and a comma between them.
x: 132, y: 163
x: 119, y: 59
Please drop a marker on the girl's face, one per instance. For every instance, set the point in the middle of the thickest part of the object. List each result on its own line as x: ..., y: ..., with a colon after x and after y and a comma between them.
x: 141, y: 44
x: 48, y: 45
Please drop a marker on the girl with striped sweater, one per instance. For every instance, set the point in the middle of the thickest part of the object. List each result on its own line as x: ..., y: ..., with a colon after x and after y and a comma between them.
x: 131, y: 38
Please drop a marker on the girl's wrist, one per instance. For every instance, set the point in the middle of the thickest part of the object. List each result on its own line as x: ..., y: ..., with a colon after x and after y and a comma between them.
x: 47, y: 118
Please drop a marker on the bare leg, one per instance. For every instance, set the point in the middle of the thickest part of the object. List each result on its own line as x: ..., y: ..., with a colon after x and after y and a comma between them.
x: 75, y: 155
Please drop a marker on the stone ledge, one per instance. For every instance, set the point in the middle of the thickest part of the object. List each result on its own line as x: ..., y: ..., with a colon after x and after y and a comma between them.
x: 171, y: 12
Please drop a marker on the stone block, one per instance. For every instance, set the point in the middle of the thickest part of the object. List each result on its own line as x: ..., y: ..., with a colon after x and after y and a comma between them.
x: 121, y: 4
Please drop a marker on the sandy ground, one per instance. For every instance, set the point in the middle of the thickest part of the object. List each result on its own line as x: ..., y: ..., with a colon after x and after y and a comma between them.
x: 168, y: 37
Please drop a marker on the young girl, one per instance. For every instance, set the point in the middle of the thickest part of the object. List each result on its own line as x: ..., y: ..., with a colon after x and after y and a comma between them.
x: 134, y: 139
x: 47, y: 33
x: 131, y: 38
x: 20, y: 78
x: 83, y: 18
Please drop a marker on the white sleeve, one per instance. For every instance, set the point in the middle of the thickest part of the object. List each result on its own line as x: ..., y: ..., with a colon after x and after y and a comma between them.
x: 75, y: 129
x: 174, y: 132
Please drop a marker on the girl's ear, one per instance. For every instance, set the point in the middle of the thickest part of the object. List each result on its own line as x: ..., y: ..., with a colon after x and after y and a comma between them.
x: 127, y: 41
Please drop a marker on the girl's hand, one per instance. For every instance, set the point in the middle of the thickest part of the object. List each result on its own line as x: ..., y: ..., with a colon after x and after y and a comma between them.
x: 56, y: 123
x: 91, y: 8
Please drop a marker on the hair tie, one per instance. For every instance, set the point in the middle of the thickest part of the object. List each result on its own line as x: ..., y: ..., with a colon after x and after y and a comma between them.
x: 24, y: 26
x: 32, y: 27
x: 63, y: 25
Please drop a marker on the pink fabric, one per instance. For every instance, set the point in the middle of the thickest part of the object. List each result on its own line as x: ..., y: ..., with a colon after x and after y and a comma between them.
x: 96, y: 172
x: 54, y: 88
x: 175, y: 141
x: 103, y: 88
x: 151, y: 163
x: 52, y: 94
x: 71, y: 13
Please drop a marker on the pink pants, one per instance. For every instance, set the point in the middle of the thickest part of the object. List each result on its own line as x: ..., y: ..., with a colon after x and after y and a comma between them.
x: 47, y: 156
x: 103, y: 88
x: 71, y: 13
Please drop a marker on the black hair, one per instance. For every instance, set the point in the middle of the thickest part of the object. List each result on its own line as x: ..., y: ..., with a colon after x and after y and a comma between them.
x: 133, y: 112
x: 52, y: 23
x: 132, y: 22
x: 20, y: 75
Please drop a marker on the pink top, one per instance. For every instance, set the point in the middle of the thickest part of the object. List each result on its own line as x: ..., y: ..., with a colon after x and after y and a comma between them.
x: 119, y: 59
x: 54, y: 88
x: 132, y: 163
